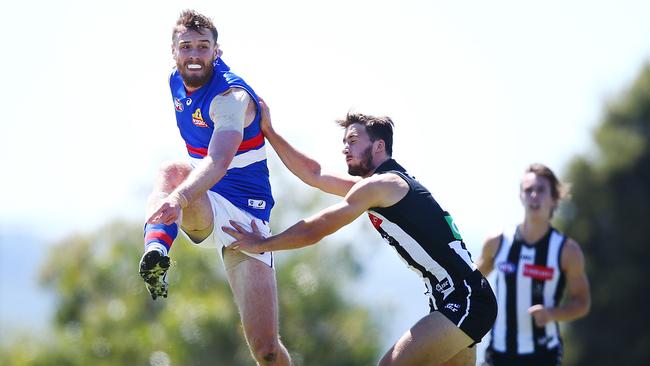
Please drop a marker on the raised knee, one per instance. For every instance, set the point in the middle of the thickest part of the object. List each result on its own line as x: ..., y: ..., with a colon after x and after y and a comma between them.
x: 174, y: 172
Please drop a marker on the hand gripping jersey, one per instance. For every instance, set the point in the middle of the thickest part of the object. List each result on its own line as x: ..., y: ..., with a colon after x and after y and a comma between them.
x: 527, y: 275
x: 246, y: 183
x: 424, y: 236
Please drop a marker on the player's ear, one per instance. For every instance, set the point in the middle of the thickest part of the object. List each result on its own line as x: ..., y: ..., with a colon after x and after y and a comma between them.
x: 174, y: 50
x: 381, y: 146
x: 217, y: 51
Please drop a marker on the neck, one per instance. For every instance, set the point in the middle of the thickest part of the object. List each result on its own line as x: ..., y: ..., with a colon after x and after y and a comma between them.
x: 379, y: 162
x: 532, y: 230
x: 190, y: 90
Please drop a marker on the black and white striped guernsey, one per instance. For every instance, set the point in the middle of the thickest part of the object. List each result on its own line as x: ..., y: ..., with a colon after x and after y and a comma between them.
x: 526, y: 275
x: 424, y: 236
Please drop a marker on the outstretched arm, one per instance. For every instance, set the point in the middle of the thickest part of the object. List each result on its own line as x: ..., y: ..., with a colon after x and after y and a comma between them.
x: 228, y: 111
x: 301, y: 165
x: 371, y: 192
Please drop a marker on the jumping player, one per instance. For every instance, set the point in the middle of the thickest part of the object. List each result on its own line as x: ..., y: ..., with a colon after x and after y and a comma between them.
x: 218, y: 117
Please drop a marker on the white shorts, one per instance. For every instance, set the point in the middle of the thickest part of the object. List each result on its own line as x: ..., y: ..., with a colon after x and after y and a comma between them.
x: 223, y: 211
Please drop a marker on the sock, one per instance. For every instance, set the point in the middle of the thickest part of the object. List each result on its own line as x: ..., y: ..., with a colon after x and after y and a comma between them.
x: 159, y: 237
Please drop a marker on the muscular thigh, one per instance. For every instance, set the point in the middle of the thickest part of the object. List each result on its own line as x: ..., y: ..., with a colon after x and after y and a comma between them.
x: 254, y: 289
x: 431, y: 341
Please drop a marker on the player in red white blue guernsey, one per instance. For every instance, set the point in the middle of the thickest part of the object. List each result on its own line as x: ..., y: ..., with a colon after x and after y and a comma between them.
x: 218, y: 116
x: 463, y: 307
x: 534, y: 266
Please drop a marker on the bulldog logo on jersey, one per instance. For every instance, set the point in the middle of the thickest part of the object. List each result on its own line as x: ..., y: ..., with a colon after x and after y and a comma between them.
x: 197, y: 118
x: 178, y: 105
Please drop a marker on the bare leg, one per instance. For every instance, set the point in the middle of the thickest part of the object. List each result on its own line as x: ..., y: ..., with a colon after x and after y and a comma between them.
x: 463, y: 358
x: 433, y: 340
x: 197, y: 219
x: 254, y: 288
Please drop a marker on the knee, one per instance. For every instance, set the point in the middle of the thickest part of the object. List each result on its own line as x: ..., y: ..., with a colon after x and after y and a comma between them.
x: 174, y: 172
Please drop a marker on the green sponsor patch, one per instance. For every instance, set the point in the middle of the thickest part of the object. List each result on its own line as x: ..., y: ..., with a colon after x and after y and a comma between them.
x: 453, y: 227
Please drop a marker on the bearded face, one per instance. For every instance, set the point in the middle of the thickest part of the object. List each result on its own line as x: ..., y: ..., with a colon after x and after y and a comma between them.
x: 195, y: 72
x: 362, y: 165
x: 194, y: 53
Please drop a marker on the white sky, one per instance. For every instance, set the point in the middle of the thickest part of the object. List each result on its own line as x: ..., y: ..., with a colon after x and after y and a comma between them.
x: 478, y: 89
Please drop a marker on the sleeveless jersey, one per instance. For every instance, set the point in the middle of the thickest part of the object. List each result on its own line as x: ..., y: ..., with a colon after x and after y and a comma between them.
x: 424, y: 236
x: 246, y: 183
x: 527, y: 275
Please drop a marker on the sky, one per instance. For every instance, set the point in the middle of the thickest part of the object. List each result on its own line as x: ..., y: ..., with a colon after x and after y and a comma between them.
x: 477, y: 90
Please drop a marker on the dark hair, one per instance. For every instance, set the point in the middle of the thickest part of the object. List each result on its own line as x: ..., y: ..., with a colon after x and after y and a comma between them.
x: 193, y: 20
x: 378, y: 128
x: 558, y: 190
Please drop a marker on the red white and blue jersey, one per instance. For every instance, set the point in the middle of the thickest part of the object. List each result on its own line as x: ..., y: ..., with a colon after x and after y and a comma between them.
x: 246, y: 183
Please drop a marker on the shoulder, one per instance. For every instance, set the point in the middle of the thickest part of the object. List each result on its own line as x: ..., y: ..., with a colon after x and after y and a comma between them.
x: 231, y: 99
x: 572, y: 255
x: 387, y: 183
x: 380, y: 190
x: 492, y: 242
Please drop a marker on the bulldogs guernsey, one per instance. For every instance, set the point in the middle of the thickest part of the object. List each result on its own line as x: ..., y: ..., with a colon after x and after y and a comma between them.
x: 425, y: 237
x: 246, y: 183
x: 527, y: 275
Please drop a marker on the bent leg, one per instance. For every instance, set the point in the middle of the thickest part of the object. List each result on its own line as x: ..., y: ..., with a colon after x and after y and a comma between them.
x: 254, y: 288
x: 197, y: 218
x: 433, y: 340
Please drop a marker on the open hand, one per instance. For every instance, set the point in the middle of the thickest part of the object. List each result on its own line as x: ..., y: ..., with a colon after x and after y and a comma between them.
x: 249, y: 241
x: 167, y: 213
x: 265, y: 121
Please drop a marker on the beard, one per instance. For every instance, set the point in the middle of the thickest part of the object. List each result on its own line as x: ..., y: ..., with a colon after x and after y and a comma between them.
x: 365, y: 166
x: 194, y: 79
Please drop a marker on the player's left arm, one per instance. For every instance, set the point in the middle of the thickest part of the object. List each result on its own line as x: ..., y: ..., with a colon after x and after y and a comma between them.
x: 228, y: 111
x: 577, y: 300
x: 367, y: 193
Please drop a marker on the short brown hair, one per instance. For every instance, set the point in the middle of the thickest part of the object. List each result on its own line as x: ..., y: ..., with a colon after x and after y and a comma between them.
x: 193, y: 20
x: 559, y: 190
x: 378, y: 128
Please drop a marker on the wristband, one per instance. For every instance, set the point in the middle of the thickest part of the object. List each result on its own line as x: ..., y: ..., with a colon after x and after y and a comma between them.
x: 180, y: 198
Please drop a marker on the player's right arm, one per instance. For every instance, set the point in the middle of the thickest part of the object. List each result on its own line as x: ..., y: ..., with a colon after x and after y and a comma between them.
x: 485, y: 262
x: 301, y: 165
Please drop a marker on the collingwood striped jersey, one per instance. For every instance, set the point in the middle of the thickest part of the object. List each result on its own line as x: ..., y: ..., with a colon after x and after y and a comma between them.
x: 424, y: 236
x: 527, y: 275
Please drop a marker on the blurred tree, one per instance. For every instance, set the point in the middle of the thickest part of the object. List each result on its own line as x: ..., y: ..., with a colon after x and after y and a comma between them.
x: 105, y: 316
x: 609, y: 210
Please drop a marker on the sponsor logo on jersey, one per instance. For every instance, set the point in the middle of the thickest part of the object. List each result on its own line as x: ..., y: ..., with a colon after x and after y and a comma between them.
x: 178, y: 105
x: 507, y: 267
x: 376, y: 221
x: 538, y: 272
x: 453, y: 307
x: 443, y: 285
x: 188, y: 101
x: 197, y: 118
x: 257, y: 204
x: 454, y: 229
